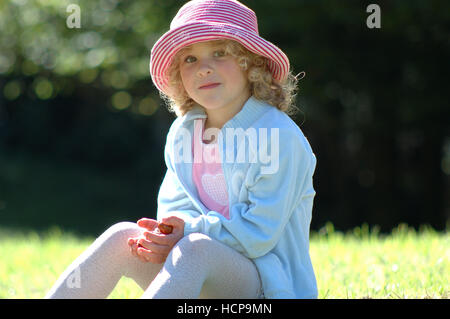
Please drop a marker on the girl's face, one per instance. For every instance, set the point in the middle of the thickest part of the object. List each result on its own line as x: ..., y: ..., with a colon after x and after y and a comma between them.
x: 213, y: 78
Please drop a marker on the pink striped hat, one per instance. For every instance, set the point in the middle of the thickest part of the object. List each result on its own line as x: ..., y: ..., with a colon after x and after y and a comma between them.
x: 206, y: 20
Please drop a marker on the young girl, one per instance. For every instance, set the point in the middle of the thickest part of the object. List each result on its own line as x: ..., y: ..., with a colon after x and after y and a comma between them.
x: 238, y: 191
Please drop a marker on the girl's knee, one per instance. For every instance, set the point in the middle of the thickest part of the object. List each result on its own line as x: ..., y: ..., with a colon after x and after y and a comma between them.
x: 194, y: 242
x: 194, y: 246
x: 123, y: 231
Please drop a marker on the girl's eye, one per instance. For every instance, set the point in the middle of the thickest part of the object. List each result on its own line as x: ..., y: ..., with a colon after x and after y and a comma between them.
x: 219, y: 53
x: 190, y: 59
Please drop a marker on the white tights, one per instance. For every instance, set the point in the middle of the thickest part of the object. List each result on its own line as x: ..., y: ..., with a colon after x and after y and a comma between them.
x: 197, y: 267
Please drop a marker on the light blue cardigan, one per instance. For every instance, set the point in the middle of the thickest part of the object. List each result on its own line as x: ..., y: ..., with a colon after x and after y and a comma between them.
x: 270, y: 206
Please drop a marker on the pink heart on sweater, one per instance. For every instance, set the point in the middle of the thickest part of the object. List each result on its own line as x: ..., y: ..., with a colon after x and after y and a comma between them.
x: 215, y: 187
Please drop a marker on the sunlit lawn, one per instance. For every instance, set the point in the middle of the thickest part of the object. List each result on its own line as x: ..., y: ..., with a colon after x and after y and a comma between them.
x: 363, y: 264
x: 357, y: 264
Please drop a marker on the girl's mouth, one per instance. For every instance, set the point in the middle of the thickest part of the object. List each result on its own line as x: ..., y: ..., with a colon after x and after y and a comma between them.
x: 209, y: 86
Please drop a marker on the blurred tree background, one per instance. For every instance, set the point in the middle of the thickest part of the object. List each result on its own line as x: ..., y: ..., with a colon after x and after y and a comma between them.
x: 82, y: 128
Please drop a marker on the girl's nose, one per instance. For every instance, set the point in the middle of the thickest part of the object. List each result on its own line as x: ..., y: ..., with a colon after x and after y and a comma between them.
x: 204, y: 69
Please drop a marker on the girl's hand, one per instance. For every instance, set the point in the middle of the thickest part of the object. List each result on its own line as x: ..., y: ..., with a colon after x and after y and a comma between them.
x: 154, y: 246
x: 147, y: 223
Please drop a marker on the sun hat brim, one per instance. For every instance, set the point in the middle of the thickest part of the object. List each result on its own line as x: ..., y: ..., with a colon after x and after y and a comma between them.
x: 171, y: 42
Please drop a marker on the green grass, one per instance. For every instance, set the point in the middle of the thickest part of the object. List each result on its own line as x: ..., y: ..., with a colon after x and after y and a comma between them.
x: 364, y: 264
x: 357, y: 264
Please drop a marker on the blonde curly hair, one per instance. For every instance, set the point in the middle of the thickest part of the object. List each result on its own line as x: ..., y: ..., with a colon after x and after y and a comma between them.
x: 262, y: 85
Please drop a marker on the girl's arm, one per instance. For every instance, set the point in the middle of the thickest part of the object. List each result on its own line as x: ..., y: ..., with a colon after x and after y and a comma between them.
x: 172, y: 199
